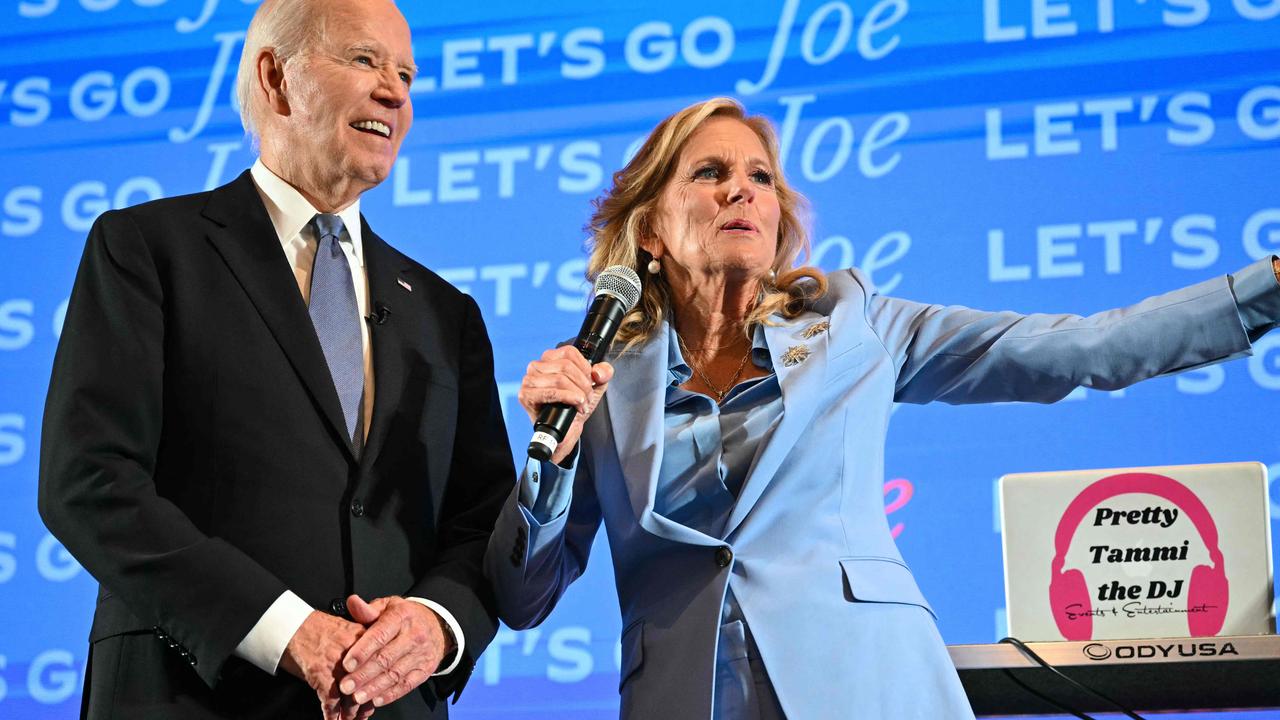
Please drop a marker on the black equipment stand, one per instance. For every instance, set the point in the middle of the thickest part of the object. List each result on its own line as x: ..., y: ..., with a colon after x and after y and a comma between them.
x: 1188, y: 674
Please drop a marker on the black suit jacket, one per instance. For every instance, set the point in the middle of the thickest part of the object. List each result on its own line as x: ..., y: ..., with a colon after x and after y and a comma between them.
x: 194, y: 458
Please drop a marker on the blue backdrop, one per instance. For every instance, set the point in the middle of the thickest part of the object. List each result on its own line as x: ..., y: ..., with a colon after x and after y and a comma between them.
x: 1056, y: 155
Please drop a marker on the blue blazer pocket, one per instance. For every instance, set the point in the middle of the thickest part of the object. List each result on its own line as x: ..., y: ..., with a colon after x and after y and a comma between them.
x: 876, y: 579
x: 632, y: 651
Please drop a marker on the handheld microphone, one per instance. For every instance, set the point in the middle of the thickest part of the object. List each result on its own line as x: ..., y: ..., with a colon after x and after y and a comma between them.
x: 381, y: 311
x: 617, y: 291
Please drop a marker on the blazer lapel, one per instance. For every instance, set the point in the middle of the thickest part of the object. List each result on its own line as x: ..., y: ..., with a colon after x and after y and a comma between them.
x: 800, y: 364
x: 636, y: 404
x: 246, y: 240
x: 385, y: 268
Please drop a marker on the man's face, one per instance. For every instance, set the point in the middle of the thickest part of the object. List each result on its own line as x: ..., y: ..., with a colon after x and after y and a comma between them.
x: 348, y: 97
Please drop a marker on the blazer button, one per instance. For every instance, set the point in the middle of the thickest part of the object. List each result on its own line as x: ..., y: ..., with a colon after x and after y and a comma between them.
x: 357, y: 508
x: 724, y: 556
x: 338, y: 606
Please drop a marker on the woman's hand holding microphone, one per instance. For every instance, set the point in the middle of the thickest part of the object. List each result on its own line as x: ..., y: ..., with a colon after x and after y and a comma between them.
x: 563, y: 376
x: 562, y: 389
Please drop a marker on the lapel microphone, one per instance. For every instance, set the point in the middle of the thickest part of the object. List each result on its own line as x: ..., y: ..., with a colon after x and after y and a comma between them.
x: 617, y: 291
x: 381, y: 311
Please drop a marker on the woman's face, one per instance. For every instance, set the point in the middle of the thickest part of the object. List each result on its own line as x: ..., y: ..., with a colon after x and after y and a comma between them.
x: 718, y: 214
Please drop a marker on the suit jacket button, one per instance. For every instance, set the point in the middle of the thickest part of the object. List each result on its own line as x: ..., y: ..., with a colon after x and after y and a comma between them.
x: 338, y: 606
x: 357, y: 508
x: 724, y: 556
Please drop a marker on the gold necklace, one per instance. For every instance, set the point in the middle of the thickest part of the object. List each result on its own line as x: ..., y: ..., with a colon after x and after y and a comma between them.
x: 703, y: 376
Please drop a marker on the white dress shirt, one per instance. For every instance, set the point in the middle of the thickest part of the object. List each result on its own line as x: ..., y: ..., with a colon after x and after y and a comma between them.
x: 291, y: 216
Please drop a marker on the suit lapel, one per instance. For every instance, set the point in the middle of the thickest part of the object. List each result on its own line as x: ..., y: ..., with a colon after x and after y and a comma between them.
x: 384, y: 268
x: 636, y: 402
x: 801, y: 385
x: 246, y: 240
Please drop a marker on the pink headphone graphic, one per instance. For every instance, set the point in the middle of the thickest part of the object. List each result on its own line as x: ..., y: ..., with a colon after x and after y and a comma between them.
x: 1208, y: 584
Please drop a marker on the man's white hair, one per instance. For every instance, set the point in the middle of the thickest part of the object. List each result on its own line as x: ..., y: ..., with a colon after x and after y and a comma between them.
x: 289, y: 28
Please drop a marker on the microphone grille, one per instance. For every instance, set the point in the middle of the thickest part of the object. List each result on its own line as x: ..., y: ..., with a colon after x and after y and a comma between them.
x: 621, y: 282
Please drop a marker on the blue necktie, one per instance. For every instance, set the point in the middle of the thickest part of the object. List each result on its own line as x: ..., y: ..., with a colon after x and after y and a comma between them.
x: 336, y: 317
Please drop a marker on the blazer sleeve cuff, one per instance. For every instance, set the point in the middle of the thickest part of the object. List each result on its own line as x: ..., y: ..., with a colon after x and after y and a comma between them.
x: 1257, y: 293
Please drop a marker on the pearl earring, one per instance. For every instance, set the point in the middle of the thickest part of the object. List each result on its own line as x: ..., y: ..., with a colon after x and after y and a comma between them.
x: 654, y: 267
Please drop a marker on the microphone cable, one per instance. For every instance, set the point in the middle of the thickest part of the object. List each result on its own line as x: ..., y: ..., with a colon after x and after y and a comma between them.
x: 1022, y: 647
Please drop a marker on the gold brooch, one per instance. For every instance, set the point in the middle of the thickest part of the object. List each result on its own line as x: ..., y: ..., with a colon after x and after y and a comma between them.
x: 815, y: 329
x: 795, y: 355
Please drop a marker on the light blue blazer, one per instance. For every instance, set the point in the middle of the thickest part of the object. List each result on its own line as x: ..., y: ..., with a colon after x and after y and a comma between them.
x: 839, y: 621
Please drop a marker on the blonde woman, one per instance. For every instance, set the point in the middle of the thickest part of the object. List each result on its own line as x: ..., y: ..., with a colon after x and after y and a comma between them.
x: 737, y: 459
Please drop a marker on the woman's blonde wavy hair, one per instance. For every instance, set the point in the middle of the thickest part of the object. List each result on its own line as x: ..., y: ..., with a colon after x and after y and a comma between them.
x: 625, y: 214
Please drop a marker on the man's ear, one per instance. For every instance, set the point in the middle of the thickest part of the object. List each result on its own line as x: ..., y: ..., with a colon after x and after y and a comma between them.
x: 270, y: 82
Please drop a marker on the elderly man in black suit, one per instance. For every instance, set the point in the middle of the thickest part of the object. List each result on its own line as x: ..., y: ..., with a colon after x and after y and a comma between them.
x: 272, y: 438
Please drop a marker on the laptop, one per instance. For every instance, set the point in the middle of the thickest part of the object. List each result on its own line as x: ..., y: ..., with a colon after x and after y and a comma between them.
x: 1150, y: 552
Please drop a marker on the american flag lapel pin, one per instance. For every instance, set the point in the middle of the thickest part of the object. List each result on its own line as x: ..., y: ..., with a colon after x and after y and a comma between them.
x: 404, y: 284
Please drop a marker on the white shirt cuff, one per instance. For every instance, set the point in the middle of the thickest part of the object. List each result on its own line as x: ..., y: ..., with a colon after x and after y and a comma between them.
x: 454, y: 627
x: 267, y: 639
